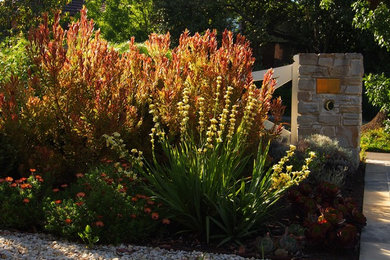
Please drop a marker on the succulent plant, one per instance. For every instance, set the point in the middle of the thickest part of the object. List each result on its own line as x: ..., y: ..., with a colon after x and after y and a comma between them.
x: 329, y: 219
x: 288, y: 242
x: 333, y: 216
x: 265, y: 244
x: 296, y: 230
x: 347, y: 235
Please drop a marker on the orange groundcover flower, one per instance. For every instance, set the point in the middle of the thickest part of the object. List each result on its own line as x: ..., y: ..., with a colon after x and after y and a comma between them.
x: 57, y: 202
x: 9, y: 179
x: 79, y: 175
x: 166, y: 221
x: 68, y: 221
x: 99, y: 223
x: 80, y: 195
x: 26, y: 186
x: 26, y: 200
x: 155, y: 215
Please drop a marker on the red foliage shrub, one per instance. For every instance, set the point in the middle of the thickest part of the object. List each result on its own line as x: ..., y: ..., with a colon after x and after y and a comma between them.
x: 79, y: 89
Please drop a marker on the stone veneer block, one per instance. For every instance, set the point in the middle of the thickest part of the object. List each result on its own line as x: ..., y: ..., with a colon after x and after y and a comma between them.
x: 349, y: 136
x: 308, y: 59
x: 306, y: 84
x: 307, y: 131
x: 307, y: 120
x: 329, y: 120
x: 340, y: 61
x: 356, y: 68
x: 304, y: 96
x: 327, y: 62
x: 354, y: 90
x: 350, y: 109
x: 348, y: 81
x: 351, y: 122
x: 355, y: 116
x: 313, y: 70
x: 329, y: 131
x: 308, y: 108
x: 351, y: 56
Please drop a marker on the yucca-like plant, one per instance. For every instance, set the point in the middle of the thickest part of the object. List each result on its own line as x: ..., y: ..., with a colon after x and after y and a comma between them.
x: 204, y: 181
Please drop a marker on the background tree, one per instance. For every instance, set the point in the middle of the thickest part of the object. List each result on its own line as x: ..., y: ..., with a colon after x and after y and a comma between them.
x: 196, y: 16
x: 119, y: 20
x: 374, y: 16
x: 19, y: 16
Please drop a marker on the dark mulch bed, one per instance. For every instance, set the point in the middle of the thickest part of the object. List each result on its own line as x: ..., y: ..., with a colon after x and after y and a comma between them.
x: 354, y: 187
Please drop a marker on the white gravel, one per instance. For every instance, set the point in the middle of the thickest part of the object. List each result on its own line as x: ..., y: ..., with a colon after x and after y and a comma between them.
x: 15, y: 245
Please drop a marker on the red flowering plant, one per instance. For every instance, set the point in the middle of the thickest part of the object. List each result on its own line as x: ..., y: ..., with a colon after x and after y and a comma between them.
x: 109, y: 202
x: 21, y: 202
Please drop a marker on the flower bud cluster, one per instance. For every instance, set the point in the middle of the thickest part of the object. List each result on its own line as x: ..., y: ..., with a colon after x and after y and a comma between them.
x: 217, y: 94
x: 249, y: 112
x: 184, y: 108
x: 224, y: 115
x: 117, y: 144
x: 282, y: 180
x: 232, y: 123
x: 211, y: 133
x: 156, y: 129
x: 201, y: 115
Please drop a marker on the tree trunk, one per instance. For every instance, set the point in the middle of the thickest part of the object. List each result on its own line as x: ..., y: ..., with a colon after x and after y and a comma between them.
x: 376, y: 122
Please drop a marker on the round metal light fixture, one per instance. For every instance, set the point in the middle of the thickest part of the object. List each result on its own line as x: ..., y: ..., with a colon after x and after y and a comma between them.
x: 329, y: 105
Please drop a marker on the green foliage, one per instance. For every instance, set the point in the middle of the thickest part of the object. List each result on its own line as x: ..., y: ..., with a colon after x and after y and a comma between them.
x: 19, y: 16
x: 378, y: 93
x: 119, y: 20
x: 13, y: 58
x: 378, y: 90
x: 374, y: 18
x: 195, y: 16
x: 377, y: 140
x: 88, y: 237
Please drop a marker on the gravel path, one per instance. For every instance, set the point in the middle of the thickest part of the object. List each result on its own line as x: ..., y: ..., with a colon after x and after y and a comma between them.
x: 15, y: 245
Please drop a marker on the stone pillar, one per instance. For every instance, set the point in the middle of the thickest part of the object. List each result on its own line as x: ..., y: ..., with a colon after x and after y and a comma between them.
x: 342, y: 118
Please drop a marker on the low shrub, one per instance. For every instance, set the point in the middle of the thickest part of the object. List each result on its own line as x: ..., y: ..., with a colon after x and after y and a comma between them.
x: 333, y: 162
x: 377, y: 140
x: 78, y: 88
x: 21, y: 202
x: 110, y: 203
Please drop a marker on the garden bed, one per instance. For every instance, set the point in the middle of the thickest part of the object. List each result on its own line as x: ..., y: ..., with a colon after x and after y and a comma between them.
x: 140, y: 146
x: 354, y: 187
